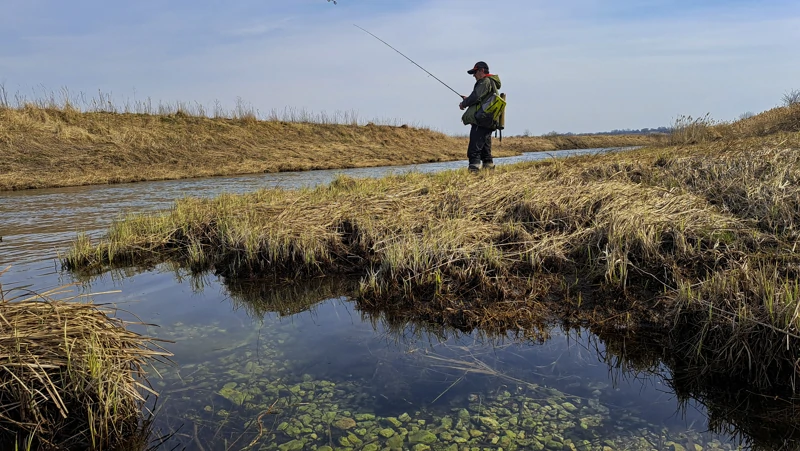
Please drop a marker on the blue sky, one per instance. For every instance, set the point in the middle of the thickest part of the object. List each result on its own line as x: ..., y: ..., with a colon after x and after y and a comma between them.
x: 577, y: 66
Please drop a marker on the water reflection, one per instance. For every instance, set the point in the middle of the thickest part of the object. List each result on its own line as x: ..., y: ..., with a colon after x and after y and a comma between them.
x: 259, y: 298
x: 301, y: 350
x: 288, y: 365
x: 755, y: 419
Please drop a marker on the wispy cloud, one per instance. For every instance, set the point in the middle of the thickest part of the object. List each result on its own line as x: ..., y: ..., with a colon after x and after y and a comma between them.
x: 585, y: 66
x: 260, y: 28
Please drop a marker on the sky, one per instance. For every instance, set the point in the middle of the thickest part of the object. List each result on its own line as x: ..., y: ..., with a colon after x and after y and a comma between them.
x: 571, y: 66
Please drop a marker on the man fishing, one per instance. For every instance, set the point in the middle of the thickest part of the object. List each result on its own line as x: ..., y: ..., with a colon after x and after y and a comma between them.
x: 485, y: 110
x: 480, y: 137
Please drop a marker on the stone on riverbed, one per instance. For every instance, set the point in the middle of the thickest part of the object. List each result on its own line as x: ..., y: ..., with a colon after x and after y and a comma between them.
x: 344, y: 423
x: 490, y: 423
x: 426, y: 437
x: 294, y: 445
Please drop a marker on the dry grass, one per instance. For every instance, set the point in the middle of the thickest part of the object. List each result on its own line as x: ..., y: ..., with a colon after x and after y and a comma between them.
x: 73, y: 376
x: 43, y: 148
x: 780, y: 119
x: 519, y: 144
x: 49, y: 144
x: 689, y: 130
x: 701, y: 238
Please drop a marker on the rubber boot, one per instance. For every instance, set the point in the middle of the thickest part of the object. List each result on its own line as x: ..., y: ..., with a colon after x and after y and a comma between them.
x: 474, y: 168
x: 488, y: 166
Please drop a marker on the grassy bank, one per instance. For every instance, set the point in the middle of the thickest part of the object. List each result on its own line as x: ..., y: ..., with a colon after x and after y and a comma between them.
x: 73, y: 376
x: 519, y: 144
x: 50, y: 145
x: 696, y: 240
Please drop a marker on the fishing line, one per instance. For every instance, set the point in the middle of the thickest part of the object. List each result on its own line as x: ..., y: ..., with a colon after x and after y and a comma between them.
x: 401, y: 53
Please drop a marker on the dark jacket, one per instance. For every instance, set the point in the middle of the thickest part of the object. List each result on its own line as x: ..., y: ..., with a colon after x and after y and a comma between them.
x: 482, y: 89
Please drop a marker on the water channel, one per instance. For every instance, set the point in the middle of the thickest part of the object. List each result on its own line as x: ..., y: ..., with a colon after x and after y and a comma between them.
x: 273, y: 365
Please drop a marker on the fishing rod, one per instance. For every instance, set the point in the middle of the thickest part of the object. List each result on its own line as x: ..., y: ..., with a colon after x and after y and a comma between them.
x: 398, y: 51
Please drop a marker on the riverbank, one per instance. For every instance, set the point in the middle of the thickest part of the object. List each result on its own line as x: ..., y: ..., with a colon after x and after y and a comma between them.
x: 55, y: 147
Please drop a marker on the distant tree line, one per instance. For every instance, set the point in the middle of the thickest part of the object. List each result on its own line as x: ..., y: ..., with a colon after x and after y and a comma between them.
x: 624, y: 131
x: 633, y: 131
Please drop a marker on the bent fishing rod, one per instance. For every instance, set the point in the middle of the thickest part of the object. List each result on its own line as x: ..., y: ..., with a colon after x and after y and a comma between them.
x: 398, y: 51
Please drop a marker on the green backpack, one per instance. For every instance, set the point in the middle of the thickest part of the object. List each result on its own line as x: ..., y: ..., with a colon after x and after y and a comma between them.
x: 491, y: 112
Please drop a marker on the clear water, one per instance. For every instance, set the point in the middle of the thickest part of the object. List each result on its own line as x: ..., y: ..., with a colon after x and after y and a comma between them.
x: 276, y: 366
x: 305, y: 373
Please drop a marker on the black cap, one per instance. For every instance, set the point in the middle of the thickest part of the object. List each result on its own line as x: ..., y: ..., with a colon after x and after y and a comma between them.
x: 479, y: 65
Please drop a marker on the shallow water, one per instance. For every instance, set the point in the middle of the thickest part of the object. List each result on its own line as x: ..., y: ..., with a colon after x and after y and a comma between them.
x: 300, y: 367
x: 331, y: 373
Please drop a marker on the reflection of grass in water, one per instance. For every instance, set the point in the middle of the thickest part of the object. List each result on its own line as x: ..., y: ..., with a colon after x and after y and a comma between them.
x: 257, y: 297
x: 453, y: 364
x: 285, y: 297
x: 402, y: 327
x: 758, y: 419
x: 625, y: 358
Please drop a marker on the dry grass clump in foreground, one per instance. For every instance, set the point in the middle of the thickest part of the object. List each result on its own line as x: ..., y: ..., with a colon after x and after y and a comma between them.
x: 702, y: 239
x: 73, y: 377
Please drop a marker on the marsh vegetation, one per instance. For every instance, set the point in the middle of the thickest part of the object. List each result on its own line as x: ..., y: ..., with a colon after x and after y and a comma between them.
x: 698, y: 239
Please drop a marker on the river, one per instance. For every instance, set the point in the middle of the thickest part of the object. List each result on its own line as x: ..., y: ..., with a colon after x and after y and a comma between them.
x: 276, y: 365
